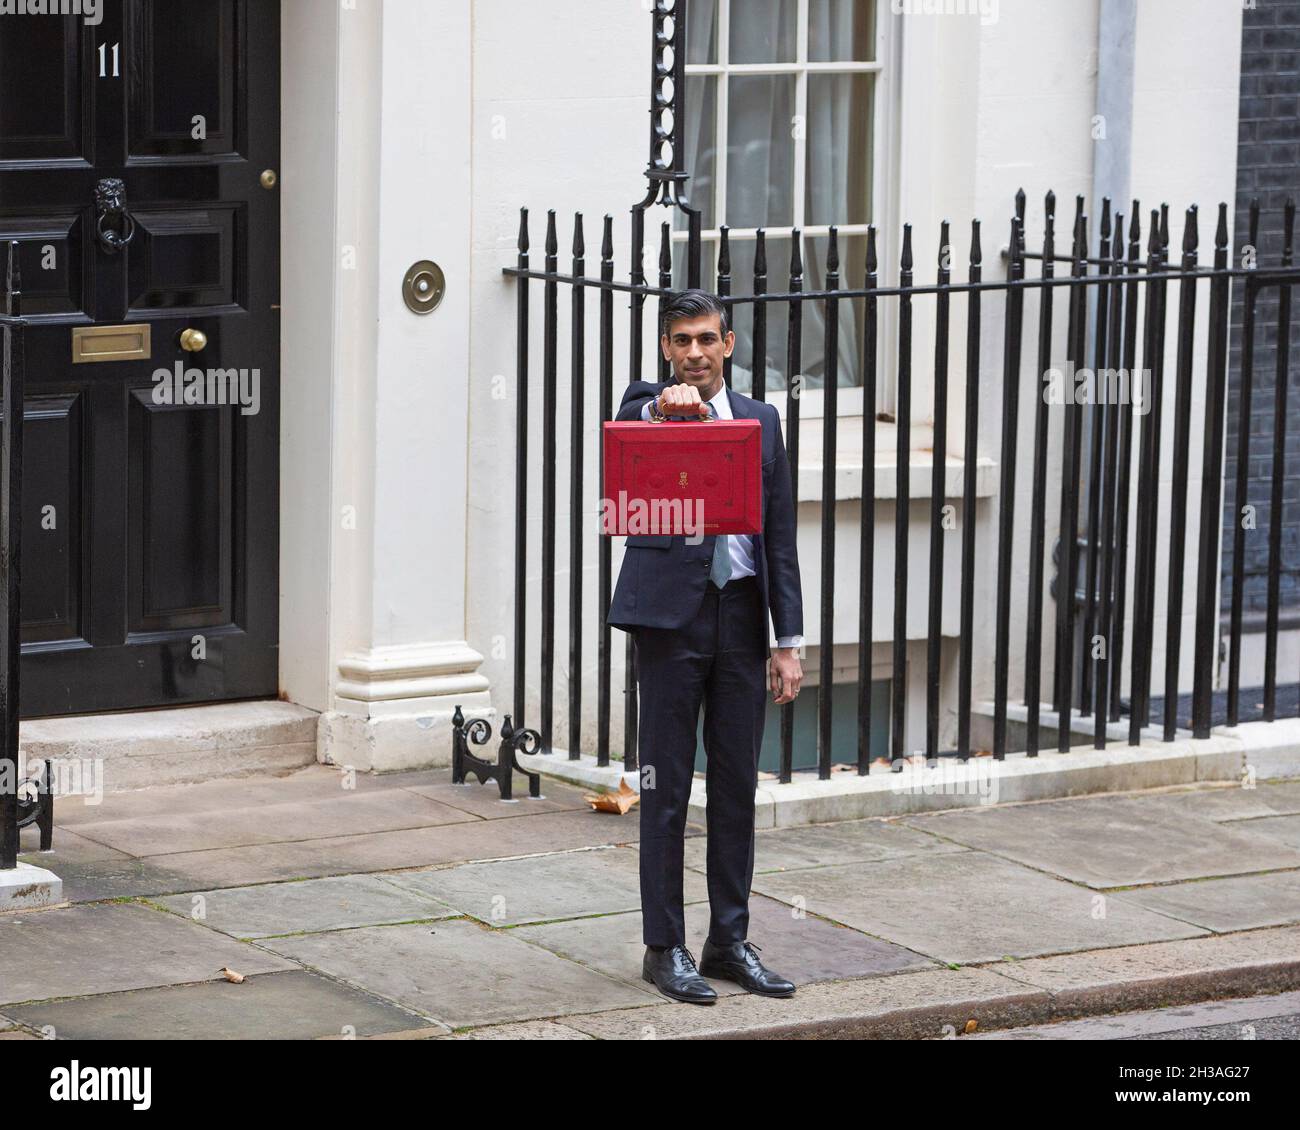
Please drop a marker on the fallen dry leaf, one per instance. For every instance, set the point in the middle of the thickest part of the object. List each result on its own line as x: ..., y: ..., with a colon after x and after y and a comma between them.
x: 231, y: 975
x: 971, y: 1025
x: 618, y: 802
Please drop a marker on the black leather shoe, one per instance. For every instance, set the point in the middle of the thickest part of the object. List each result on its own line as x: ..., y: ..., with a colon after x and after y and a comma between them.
x: 738, y: 961
x: 674, y: 974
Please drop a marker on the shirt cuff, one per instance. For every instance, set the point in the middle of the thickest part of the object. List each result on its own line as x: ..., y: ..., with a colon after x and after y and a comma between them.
x: 789, y: 641
x: 645, y: 410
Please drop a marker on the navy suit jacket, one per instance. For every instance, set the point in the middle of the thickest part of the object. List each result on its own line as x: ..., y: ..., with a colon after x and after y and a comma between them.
x: 663, y: 579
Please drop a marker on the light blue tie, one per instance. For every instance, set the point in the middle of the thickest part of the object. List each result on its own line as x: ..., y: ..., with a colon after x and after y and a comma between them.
x: 720, y: 570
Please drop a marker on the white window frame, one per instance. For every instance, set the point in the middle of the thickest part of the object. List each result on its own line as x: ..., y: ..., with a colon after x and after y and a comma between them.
x: 887, y: 68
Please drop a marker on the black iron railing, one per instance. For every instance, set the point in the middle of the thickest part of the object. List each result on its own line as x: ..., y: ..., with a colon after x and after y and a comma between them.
x: 1255, y: 283
x: 30, y: 800
x: 1119, y: 310
x: 1099, y: 486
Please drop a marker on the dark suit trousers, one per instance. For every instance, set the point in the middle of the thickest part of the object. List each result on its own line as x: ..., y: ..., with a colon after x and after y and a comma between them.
x: 718, y: 661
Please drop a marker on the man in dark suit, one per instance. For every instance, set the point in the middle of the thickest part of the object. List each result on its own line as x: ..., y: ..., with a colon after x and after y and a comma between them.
x: 699, y: 615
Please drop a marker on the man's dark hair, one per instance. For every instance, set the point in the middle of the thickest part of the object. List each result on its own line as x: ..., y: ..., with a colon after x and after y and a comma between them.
x: 692, y: 304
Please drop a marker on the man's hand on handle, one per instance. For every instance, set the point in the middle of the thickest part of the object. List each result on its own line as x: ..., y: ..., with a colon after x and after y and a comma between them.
x: 682, y: 400
x: 785, y: 673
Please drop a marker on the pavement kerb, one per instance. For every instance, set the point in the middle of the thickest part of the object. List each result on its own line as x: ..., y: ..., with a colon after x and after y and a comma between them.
x: 934, y: 1003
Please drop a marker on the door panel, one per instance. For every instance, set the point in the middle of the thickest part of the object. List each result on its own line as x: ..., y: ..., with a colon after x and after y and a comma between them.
x: 45, y: 114
x: 155, y: 581
x: 52, y: 503
x: 180, y: 507
x: 50, y: 253
x: 185, y: 52
x: 185, y: 258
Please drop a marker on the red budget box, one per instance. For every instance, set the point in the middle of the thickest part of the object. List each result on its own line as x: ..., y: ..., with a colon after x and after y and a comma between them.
x: 683, y: 478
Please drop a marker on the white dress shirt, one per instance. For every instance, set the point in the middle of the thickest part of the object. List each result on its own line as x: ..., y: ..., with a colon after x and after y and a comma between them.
x: 740, y: 547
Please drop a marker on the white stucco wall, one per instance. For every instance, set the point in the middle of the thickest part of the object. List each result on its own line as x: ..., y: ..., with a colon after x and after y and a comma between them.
x: 570, y: 136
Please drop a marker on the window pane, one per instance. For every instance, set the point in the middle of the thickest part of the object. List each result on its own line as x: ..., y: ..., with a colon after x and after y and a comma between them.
x: 853, y: 272
x: 700, y: 141
x: 708, y: 265
x: 778, y: 314
x: 702, y: 32
x: 760, y: 151
x: 837, y: 184
x: 841, y: 30
x: 763, y: 31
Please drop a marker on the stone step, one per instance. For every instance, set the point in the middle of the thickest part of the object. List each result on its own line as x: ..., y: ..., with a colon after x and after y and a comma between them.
x: 917, y: 787
x: 176, y: 746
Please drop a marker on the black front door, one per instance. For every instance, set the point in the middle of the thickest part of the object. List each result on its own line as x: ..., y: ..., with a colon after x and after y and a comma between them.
x: 151, y: 512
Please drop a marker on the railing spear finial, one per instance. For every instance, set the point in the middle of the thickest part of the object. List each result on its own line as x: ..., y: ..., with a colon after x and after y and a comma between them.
x: 1191, y: 236
x: 579, y: 241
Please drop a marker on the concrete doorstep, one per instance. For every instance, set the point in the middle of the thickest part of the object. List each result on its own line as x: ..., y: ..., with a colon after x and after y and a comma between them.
x: 107, y: 753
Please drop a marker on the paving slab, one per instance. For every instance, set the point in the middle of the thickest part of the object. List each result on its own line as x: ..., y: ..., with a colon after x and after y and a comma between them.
x: 1236, y: 801
x: 573, y: 884
x: 308, y: 783
x: 351, y: 813
x: 612, y: 944
x: 1284, y: 829
x: 968, y: 907
x: 68, y: 847
x: 111, y: 947
x: 816, y: 845
x: 335, y: 903
x: 273, y: 1006
x: 805, y: 949
x: 485, y: 800
x: 101, y: 879
x: 900, y: 1006
x: 458, y: 972
x: 1243, y: 902
x: 1162, y: 974
x: 225, y: 794
x: 1111, y: 841
x: 394, y: 851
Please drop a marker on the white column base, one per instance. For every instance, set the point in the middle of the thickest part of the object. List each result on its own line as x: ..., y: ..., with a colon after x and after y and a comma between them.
x: 393, y: 706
